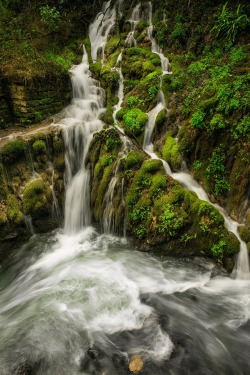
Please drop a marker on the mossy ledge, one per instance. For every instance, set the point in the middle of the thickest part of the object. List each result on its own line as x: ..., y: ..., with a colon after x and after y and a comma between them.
x: 28, y: 165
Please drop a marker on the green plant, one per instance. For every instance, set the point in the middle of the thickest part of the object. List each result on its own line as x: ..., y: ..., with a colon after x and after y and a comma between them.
x: 217, y: 122
x: 132, y: 101
x: 197, y: 165
x: 170, y: 222
x: 153, y: 91
x: 219, y: 248
x: 216, y: 171
x: 197, y: 119
x: 228, y: 24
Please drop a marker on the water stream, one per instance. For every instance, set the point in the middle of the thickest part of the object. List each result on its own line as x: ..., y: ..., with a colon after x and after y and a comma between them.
x: 75, y: 301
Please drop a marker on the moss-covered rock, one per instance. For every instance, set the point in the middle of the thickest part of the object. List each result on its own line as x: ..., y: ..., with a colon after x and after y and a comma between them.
x: 36, y: 198
x: 170, y: 153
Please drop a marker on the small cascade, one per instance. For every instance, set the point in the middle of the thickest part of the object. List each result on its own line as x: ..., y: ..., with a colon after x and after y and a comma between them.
x: 31, y: 160
x: 135, y: 18
x: 165, y: 65
x: 120, y: 93
x: 56, y: 212
x: 29, y: 224
x: 109, y: 224
x: 100, y: 29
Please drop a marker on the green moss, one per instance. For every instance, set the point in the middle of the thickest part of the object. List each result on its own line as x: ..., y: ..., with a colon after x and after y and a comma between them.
x: 135, y: 121
x: 3, y: 214
x: 59, y: 163
x: 141, y: 25
x: 35, y: 197
x: 170, y: 153
x: 161, y: 118
x: 101, y: 190
x: 121, y: 113
x: 148, y: 67
x: 3, y: 183
x: 14, y: 150
x: 13, y: 212
x: 39, y: 147
x: 244, y: 233
x: 151, y: 166
x: 112, y: 44
x: 134, y: 160
x: 158, y: 185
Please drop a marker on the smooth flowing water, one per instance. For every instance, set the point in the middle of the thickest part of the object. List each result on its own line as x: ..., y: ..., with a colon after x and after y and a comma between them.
x: 79, y: 302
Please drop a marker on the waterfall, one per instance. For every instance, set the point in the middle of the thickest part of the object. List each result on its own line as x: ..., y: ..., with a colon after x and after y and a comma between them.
x: 80, y: 122
x: 241, y: 270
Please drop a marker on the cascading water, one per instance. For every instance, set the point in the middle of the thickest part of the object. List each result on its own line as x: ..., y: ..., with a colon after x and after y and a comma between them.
x: 80, y: 122
x: 77, y: 302
x: 165, y: 65
x: 134, y: 20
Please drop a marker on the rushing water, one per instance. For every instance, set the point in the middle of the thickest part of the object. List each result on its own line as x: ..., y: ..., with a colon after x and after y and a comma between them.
x: 64, y: 294
x: 77, y: 301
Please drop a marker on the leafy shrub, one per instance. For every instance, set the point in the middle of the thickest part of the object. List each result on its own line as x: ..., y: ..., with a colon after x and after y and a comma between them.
x: 153, y: 91
x: 50, y: 17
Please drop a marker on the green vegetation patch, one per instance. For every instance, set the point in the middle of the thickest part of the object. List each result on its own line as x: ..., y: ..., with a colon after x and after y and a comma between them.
x: 13, y: 150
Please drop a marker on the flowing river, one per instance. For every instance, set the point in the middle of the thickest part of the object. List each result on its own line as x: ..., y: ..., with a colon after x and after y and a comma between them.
x: 76, y: 301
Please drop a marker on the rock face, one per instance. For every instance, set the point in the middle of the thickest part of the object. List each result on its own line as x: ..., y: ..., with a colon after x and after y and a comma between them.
x: 28, y: 102
x: 31, y: 183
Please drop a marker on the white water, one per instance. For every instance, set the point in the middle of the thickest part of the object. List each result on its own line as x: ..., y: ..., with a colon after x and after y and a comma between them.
x: 100, y: 29
x: 134, y: 20
x: 81, y: 120
x: 88, y: 290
